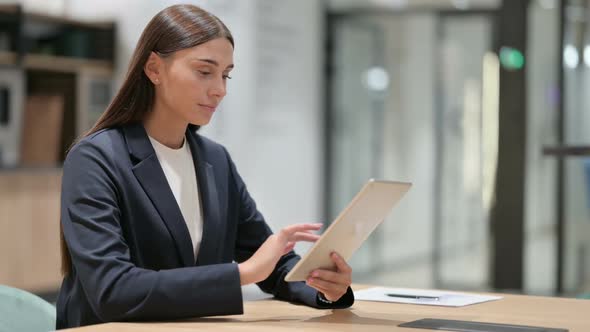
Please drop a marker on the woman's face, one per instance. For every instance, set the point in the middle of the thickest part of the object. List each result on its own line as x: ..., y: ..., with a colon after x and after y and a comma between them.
x: 192, y: 82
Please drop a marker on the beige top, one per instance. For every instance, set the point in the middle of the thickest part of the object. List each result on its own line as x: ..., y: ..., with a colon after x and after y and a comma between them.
x: 179, y: 169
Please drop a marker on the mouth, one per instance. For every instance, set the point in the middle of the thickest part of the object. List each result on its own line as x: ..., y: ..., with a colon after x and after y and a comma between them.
x: 210, y: 108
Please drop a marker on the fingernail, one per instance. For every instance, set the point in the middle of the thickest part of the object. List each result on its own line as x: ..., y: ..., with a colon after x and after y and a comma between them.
x: 310, y: 280
x: 315, y: 273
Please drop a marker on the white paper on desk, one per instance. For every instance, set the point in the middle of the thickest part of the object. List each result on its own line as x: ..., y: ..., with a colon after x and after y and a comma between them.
x: 446, y: 299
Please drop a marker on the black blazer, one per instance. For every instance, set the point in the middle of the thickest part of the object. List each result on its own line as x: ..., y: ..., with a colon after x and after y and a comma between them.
x: 131, y: 252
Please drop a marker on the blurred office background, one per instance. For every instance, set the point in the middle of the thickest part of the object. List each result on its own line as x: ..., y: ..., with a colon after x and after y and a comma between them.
x: 482, y: 104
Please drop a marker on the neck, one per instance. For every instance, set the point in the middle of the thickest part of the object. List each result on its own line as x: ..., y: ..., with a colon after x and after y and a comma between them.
x: 162, y: 126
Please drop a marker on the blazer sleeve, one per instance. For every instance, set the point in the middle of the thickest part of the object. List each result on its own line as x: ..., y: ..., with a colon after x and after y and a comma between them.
x: 115, y: 288
x: 252, y: 232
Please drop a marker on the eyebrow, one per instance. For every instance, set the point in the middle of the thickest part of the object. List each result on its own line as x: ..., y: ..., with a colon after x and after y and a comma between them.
x: 213, y: 62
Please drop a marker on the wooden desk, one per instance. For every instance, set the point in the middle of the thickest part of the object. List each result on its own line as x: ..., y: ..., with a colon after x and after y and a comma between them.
x: 273, y: 315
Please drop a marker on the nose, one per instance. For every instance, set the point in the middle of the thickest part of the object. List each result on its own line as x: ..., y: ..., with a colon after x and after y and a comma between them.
x: 218, y: 89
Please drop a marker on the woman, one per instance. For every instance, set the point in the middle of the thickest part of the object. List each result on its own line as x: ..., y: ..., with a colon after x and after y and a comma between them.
x: 154, y: 216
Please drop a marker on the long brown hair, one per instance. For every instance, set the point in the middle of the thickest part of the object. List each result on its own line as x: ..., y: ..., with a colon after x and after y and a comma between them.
x: 175, y: 28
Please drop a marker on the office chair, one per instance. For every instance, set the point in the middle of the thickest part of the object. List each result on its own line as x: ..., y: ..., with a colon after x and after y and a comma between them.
x: 23, y: 311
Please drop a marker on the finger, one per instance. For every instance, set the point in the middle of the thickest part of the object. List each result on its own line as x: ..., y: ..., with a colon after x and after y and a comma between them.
x: 331, y: 292
x: 314, y: 232
x: 330, y: 287
x: 320, y: 289
x: 291, y: 229
x: 335, y: 277
x: 300, y: 236
x: 317, y: 287
x: 340, y: 263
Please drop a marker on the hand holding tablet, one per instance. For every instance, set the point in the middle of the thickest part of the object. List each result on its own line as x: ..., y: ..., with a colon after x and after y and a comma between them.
x: 352, y: 227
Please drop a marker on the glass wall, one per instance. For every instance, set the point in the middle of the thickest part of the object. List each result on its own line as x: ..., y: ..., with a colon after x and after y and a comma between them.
x: 463, y: 149
x: 549, y: 187
x: 413, y: 97
x: 407, y: 105
x: 576, y: 63
x: 542, y: 81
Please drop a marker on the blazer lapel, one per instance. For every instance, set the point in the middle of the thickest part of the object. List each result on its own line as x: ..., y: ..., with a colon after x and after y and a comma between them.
x: 150, y: 175
x: 209, y: 202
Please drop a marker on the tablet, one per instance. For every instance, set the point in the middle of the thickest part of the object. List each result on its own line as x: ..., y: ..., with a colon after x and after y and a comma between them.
x: 352, y: 227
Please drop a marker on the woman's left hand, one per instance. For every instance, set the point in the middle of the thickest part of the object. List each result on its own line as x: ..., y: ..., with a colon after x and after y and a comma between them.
x: 332, y: 284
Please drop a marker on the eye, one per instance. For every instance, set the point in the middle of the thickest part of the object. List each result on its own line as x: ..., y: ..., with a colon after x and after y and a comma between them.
x: 204, y: 73
x: 226, y: 77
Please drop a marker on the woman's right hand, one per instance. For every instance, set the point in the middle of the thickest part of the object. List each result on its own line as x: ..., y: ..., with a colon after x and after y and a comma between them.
x: 264, y: 260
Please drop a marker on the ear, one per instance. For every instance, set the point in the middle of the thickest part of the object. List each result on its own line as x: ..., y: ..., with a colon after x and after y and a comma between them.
x: 153, y: 67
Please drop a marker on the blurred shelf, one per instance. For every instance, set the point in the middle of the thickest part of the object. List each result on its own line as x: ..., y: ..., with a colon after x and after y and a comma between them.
x: 53, y: 56
x: 8, y: 58
x: 567, y: 150
x: 29, y: 242
x: 9, y: 9
x: 40, y: 17
x: 65, y: 64
x: 15, y: 9
x: 21, y: 170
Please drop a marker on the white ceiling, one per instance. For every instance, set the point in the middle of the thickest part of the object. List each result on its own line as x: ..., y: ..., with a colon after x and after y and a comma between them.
x: 338, y: 5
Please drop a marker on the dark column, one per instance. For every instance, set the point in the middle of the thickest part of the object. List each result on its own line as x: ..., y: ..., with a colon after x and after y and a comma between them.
x: 507, y: 218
